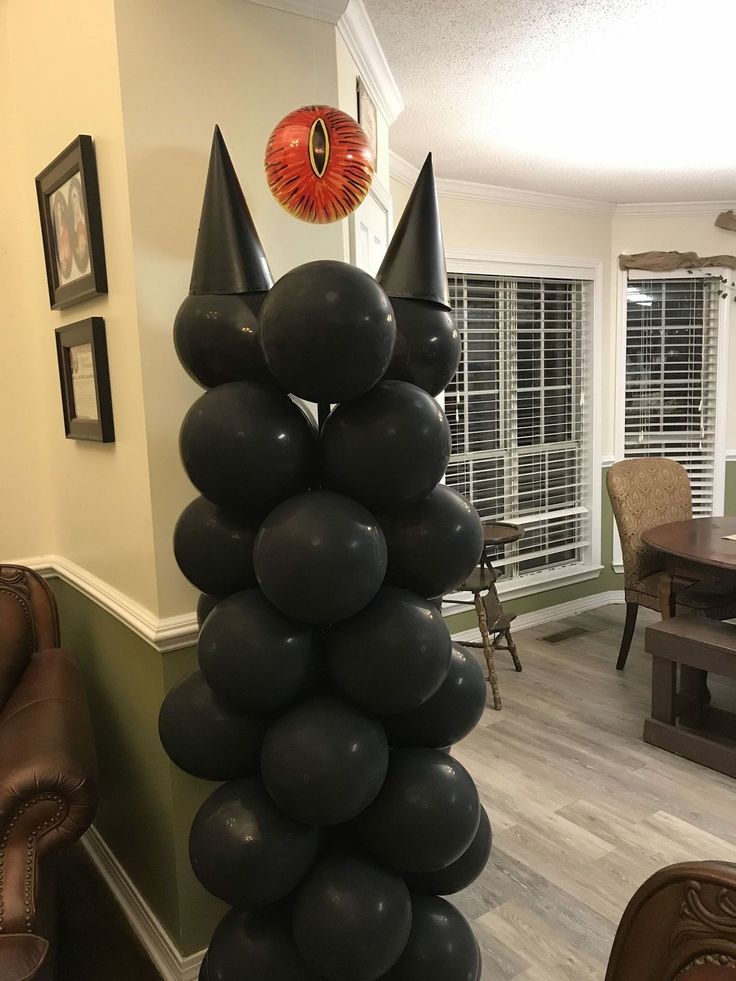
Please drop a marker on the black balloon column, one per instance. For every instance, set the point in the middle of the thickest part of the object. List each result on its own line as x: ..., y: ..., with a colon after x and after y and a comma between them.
x: 328, y: 687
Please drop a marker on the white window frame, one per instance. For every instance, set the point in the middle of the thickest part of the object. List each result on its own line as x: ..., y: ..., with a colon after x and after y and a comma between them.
x: 723, y: 330
x: 521, y: 265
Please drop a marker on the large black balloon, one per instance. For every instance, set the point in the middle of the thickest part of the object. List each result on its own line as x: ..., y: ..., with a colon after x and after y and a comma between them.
x: 427, y: 350
x: 386, y: 449
x: 256, y: 944
x: 393, y: 655
x: 320, y: 557
x: 327, y: 331
x: 214, y: 547
x: 323, y: 762
x: 351, y: 919
x: 450, y: 714
x: 441, y: 945
x: 426, y: 815
x: 244, y: 850
x: 205, y: 606
x: 216, y: 339
x: 204, y: 736
x: 463, y: 871
x: 246, y: 446
x: 255, y: 657
x: 433, y: 545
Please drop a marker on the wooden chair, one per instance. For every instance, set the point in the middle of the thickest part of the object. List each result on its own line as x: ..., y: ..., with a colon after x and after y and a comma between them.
x: 644, y: 493
x: 680, y: 925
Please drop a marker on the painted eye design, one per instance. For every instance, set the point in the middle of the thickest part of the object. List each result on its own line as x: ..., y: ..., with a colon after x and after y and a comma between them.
x: 319, y: 164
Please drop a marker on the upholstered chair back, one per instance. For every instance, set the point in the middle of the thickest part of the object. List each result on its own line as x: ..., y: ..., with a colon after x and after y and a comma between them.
x: 28, y: 623
x: 644, y: 493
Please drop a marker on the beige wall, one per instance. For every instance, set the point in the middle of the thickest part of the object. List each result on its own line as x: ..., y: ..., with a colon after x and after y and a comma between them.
x: 185, y: 66
x: 89, y: 503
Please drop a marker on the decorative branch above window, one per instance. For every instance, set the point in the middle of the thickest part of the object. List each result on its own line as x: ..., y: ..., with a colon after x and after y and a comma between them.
x: 667, y: 261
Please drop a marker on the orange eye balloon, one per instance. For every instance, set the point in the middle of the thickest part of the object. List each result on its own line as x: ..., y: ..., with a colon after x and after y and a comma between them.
x: 319, y: 164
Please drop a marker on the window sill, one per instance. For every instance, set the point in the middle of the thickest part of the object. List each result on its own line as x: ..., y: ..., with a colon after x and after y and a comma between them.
x: 532, y: 584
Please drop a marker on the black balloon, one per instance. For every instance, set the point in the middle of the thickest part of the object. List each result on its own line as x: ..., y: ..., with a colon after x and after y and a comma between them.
x: 351, y: 919
x: 244, y: 850
x: 246, y: 446
x: 205, y: 606
x: 426, y: 815
x: 323, y: 762
x: 320, y: 557
x: 204, y: 736
x: 433, y: 545
x: 255, y: 657
x: 214, y: 548
x: 441, y: 945
x: 393, y: 655
x: 463, y: 871
x: 327, y: 331
x: 386, y: 449
x: 427, y: 350
x: 216, y: 339
x: 450, y: 714
x: 256, y: 944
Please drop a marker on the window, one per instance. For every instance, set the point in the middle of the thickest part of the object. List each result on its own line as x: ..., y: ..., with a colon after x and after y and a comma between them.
x: 518, y: 413
x: 671, y: 377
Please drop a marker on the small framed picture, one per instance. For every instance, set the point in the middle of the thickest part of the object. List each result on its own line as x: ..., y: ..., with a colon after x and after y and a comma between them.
x: 368, y: 117
x: 71, y: 225
x: 85, y: 381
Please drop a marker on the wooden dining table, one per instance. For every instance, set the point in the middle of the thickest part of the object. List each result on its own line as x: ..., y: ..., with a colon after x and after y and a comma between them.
x: 700, y: 550
x: 693, y: 550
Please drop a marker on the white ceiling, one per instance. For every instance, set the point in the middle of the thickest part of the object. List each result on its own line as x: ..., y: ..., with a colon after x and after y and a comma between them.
x: 611, y: 100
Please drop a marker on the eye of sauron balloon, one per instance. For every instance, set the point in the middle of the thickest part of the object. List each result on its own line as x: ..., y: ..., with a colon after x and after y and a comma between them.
x: 319, y: 164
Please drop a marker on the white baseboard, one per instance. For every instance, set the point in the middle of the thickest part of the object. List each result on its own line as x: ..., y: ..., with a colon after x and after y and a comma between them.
x: 559, y: 612
x: 171, y: 964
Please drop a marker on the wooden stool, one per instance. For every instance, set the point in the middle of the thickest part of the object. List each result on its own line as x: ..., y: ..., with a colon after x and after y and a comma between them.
x: 494, y: 625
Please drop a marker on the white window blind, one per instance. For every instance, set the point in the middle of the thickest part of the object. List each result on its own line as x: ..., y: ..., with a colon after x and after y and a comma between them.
x: 671, y: 372
x: 518, y: 415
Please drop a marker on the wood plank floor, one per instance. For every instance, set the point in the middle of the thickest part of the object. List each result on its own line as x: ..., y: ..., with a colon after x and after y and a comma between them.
x: 582, y: 809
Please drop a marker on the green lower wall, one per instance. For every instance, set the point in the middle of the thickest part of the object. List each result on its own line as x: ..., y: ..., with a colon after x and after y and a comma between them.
x: 147, y: 804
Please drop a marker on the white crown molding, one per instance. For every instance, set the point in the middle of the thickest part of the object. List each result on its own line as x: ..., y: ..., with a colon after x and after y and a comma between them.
x: 356, y: 30
x: 329, y: 11
x: 171, y: 965
x: 406, y: 173
x: 168, y: 634
x: 558, y: 612
x: 672, y: 208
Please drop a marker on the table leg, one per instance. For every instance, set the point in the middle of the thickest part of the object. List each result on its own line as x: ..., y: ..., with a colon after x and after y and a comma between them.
x: 694, y: 695
x: 667, y: 596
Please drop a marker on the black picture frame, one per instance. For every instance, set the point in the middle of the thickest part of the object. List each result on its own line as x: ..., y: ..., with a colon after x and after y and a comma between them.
x: 71, y: 225
x: 367, y: 116
x: 81, y: 350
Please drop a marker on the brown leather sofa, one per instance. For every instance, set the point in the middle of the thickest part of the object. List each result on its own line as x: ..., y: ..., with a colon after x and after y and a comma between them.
x: 47, y: 770
x: 680, y: 925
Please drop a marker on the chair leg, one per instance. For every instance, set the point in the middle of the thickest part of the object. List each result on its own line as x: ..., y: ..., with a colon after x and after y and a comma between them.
x: 632, y: 609
x: 488, y: 650
x: 512, y: 648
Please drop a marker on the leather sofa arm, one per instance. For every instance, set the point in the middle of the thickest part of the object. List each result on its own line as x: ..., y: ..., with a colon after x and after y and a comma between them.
x: 48, y: 789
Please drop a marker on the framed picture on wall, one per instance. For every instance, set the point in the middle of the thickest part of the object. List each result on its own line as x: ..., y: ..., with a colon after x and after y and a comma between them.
x: 71, y: 225
x: 368, y: 117
x: 81, y: 350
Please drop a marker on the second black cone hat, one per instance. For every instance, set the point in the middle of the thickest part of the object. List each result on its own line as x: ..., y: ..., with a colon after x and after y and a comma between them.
x: 414, y: 265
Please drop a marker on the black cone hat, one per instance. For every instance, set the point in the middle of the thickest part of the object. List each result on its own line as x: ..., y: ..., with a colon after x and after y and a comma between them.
x: 414, y: 265
x: 229, y: 257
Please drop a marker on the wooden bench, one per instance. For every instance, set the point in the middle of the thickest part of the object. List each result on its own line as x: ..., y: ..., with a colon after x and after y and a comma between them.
x: 683, y: 720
